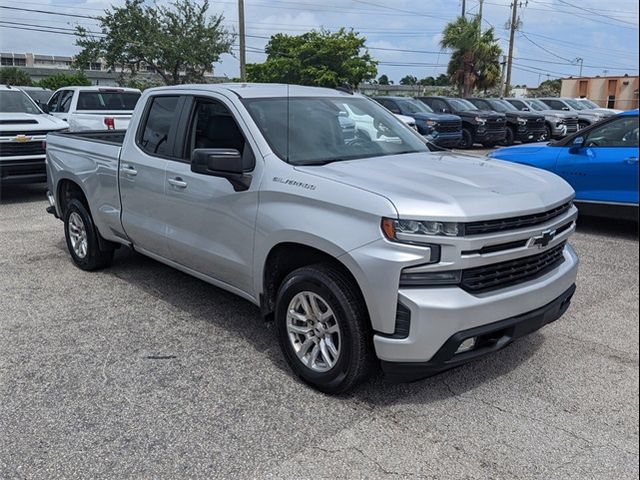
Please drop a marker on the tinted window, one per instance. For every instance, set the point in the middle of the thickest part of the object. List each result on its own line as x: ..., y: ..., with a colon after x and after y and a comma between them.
x: 107, y: 100
x: 621, y: 132
x: 481, y: 104
x: 158, y: 125
x: 413, y: 106
x: 462, y: 105
x: 65, y: 101
x: 555, y: 104
x: 389, y: 105
x: 39, y: 96
x: 518, y: 104
x: 439, y: 105
x: 15, y: 101
x: 213, y: 126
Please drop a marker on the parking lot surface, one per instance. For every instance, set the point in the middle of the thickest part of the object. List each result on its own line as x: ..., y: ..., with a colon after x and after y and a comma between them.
x: 141, y: 371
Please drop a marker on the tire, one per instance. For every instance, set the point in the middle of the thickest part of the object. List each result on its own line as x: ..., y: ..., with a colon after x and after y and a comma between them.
x: 83, y: 238
x: 582, y: 125
x: 509, y: 138
x: 467, y: 139
x: 329, y: 288
x: 546, y: 136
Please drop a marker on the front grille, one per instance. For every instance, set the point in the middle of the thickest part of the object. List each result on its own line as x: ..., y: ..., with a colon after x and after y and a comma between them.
x: 535, y: 124
x: 33, y: 133
x: 17, y: 122
x: 495, y: 125
x: 513, y: 272
x: 500, y: 225
x: 14, y: 149
x: 448, y: 127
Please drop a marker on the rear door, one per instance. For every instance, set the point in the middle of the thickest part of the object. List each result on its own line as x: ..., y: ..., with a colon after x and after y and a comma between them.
x: 605, y: 169
x: 142, y: 174
x: 211, y: 226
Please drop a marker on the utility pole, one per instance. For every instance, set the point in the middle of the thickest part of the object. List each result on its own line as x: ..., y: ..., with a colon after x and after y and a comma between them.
x: 512, y: 36
x: 243, y: 46
x: 480, y: 14
x: 464, y: 8
x: 581, y: 62
x: 503, y: 91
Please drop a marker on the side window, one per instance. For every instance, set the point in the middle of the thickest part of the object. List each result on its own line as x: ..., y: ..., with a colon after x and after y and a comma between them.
x: 389, y: 105
x: 52, y: 104
x: 439, y: 106
x: 621, y: 132
x: 65, y: 101
x: 555, y: 104
x: 158, y: 123
x: 518, y: 104
x: 213, y: 126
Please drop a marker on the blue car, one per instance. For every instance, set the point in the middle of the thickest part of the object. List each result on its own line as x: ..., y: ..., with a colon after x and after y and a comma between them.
x: 599, y: 162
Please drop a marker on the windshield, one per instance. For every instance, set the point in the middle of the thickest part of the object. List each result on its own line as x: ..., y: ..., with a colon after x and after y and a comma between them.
x: 41, y: 97
x: 107, y: 100
x: 576, y: 105
x: 413, y: 106
x: 313, y: 131
x: 502, y: 106
x: 16, y: 101
x: 588, y: 103
x: 461, y: 105
x: 537, y: 105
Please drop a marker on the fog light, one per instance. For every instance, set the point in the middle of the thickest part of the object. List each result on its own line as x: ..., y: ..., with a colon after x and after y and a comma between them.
x: 467, y: 345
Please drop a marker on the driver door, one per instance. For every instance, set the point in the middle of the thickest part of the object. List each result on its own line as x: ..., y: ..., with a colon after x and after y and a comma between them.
x: 605, y: 168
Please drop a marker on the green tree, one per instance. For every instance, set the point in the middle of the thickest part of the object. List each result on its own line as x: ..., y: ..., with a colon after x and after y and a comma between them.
x: 442, y: 80
x: 15, y: 76
x: 59, y: 80
x: 383, y: 80
x: 428, y: 82
x: 475, y: 57
x: 179, y: 42
x: 317, y: 58
x: 409, y: 80
x: 548, y: 88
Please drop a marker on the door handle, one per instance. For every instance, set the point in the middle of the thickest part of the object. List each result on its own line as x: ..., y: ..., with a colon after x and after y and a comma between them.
x: 177, y: 182
x: 129, y: 170
x: 631, y: 160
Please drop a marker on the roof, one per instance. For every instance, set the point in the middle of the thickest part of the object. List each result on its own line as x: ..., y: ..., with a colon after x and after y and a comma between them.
x: 260, y: 90
x: 97, y: 88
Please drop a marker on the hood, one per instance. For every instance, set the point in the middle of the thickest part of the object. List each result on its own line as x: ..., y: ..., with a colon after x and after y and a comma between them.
x: 523, y: 149
x: 527, y: 115
x: 438, y: 117
x: 446, y: 186
x: 558, y: 113
x: 481, y: 113
x: 27, y: 122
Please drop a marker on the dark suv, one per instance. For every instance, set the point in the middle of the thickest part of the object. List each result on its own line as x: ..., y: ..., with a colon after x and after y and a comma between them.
x: 523, y: 126
x: 441, y: 129
x: 478, y: 126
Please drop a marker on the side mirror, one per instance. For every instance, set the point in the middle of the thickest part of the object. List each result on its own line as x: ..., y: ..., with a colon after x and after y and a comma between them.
x: 223, y: 162
x: 577, y: 145
x: 444, y: 110
x: 566, y: 109
x: 526, y: 109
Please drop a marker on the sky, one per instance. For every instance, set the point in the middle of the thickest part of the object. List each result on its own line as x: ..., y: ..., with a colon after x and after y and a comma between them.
x: 552, y: 34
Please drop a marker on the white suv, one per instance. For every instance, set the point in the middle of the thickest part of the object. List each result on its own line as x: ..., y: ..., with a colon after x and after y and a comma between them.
x: 94, y: 108
x: 23, y: 130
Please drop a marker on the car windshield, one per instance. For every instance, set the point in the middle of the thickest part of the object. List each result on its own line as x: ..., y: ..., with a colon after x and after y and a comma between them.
x: 576, y: 105
x: 537, y: 105
x: 309, y: 130
x: 16, y: 101
x: 41, y: 97
x: 413, y: 106
x: 588, y: 103
x: 460, y: 104
x: 107, y: 100
x: 502, y: 106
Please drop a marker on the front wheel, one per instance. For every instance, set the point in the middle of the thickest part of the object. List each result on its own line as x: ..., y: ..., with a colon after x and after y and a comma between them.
x: 82, y: 238
x: 467, y: 139
x: 509, y: 138
x: 546, y: 135
x: 582, y: 125
x: 323, y: 328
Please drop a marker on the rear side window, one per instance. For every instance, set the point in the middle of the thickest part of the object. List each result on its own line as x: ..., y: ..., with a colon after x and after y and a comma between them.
x: 158, y: 125
x: 107, y: 100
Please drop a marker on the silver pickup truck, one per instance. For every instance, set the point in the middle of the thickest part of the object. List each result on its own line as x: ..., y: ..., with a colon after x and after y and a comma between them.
x: 364, y: 251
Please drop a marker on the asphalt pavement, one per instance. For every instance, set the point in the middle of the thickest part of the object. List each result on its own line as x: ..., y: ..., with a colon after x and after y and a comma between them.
x: 140, y: 371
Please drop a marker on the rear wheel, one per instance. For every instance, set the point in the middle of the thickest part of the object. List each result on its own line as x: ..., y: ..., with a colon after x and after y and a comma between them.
x: 83, y: 238
x: 323, y: 328
x: 467, y: 139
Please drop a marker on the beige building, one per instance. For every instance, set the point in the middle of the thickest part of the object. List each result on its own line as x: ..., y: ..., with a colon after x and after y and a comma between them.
x: 610, y: 92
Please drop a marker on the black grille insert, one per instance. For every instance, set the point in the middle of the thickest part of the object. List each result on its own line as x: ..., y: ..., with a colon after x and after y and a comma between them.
x: 513, y: 272
x: 15, y: 149
x: 500, y: 225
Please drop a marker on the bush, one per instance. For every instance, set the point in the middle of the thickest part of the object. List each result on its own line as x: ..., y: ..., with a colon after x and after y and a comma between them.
x: 15, y: 76
x: 60, y: 80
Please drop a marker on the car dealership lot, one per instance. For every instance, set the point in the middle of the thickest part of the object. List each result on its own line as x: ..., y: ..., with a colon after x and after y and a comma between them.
x: 142, y: 371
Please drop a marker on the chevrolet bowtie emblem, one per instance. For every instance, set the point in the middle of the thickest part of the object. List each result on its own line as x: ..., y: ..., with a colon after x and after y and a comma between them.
x: 545, y: 239
x: 22, y: 138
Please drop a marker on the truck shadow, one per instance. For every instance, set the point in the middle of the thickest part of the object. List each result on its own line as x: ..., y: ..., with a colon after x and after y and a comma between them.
x: 606, y: 226
x: 22, y: 193
x: 201, y: 301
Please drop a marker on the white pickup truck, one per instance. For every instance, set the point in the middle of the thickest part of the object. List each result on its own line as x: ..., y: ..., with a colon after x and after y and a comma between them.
x: 94, y: 108
x: 362, y: 250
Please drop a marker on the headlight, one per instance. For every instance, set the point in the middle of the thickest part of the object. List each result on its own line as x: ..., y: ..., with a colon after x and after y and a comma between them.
x: 481, y: 120
x: 431, y: 123
x: 416, y: 231
x: 522, y: 121
x: 560, y: 120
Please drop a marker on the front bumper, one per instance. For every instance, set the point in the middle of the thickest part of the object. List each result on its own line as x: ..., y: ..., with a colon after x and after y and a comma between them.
x: 527, y: 135
x: 30, y: 169
x: 486, y: 136
x: 488, y: 339
x: 439, y: 313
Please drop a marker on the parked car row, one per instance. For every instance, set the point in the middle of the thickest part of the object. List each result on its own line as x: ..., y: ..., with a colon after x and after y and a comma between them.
x: 28, y: 114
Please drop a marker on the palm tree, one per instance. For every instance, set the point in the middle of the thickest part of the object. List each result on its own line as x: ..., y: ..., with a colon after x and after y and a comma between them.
x: 475, y: 60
